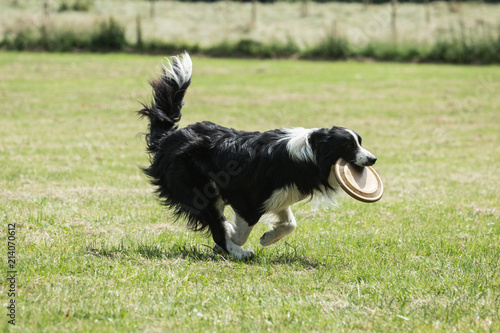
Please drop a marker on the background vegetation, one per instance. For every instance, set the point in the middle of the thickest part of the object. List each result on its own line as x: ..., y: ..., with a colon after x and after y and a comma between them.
x: 96, y: 252
x: 453, y: 32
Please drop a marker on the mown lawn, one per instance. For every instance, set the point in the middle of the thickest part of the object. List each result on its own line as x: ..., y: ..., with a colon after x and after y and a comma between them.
x: 96, y: 252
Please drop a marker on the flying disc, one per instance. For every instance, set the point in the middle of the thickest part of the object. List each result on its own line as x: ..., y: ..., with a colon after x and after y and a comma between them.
x: 361, y: 183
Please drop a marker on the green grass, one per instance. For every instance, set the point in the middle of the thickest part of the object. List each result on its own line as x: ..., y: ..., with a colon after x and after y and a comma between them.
x: 96, y: 252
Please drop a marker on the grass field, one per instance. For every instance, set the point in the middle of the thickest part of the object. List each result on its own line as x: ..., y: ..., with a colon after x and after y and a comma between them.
x: 96, y: 252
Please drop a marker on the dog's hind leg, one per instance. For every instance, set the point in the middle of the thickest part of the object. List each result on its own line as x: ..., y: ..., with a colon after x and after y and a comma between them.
x: 285, y: 225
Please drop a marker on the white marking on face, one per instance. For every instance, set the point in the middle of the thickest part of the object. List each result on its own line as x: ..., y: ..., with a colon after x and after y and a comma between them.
x: 363, y: 156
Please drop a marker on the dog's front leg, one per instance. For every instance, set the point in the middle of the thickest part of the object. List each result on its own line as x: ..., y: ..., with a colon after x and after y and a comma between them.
x: 234, y: 249
x: 234, y: 235
x: 285, y: 225
x: 241, y: 230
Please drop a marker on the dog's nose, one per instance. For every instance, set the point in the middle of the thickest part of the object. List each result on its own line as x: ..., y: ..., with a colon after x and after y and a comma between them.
x: 372, y: 160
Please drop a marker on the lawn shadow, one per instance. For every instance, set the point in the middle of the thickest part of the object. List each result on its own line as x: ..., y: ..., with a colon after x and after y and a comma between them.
x: 153, y: 251
x: 204, y: 253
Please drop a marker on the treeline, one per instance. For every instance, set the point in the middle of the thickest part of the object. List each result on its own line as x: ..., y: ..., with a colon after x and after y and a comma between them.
x: 352, y: 1
x: 83, y: 5
x: 459, y: 46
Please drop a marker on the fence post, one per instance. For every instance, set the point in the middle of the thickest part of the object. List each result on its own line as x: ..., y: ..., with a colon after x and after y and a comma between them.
x: 366, y: 3
x: 152, y: 8
x: 46, y: 8
x: 427, y: 12
x: 304, y: 8
x: 253, y: 19
x: 394, y: 14
x: 138, y: 30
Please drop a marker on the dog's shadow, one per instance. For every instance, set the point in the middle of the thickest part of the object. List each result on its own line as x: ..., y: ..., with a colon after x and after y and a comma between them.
x: 205, y: 253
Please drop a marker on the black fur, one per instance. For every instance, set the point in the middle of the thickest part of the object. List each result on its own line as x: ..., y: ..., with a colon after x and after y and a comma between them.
x: 202, y: 167
x: 165, y: 112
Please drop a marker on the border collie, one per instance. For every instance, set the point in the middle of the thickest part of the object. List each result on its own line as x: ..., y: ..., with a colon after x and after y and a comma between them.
x: 199, y: 169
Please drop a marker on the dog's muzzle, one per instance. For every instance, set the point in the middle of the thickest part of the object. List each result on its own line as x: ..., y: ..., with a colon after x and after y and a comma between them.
x: 365, y: 158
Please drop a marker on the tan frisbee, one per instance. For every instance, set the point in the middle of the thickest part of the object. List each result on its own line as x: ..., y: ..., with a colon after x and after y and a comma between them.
x: 361, y: 183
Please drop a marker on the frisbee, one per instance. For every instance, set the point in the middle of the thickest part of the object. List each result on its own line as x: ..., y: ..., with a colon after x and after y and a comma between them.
x: 361, y: 183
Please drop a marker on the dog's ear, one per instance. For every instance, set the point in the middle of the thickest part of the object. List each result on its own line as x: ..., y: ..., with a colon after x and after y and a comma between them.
x: 325, y: 152
x: 324, y: 139
x: 318, y: 138
x: 336, y: 129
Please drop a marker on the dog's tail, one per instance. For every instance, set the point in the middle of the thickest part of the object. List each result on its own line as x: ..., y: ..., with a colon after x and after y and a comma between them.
x: 165, y: 113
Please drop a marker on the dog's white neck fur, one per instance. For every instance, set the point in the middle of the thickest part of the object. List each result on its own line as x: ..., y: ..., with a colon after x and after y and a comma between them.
x: 298, y: 143
x: 184, y: 70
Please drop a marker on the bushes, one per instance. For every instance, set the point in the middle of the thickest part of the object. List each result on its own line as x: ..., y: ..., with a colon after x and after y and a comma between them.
x: 464, y: 47
x: 243, y: 48
x: 253, y: 49
x: 77, y: 5
x: 108, y: 36
x: 330, y: 48
x: 458, y: 46
x: 385, y: 51
x: 46, y: 39
x: 449, y: 50
x: 164, y: 47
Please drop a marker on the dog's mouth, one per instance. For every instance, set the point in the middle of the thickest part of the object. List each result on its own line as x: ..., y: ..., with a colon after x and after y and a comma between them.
x: 364, y: 158
x: 366, y: 163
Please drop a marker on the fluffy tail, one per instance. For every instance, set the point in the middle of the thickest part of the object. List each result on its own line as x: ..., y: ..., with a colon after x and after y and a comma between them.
x: 165, y: 113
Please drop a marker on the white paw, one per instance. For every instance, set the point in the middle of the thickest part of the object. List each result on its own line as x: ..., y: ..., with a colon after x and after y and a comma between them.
x: 270, y: 237
x: 243, y: 254
x: 238, y: 252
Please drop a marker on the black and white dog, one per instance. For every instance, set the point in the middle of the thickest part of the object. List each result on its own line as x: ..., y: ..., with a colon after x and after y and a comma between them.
x: 201, y: 168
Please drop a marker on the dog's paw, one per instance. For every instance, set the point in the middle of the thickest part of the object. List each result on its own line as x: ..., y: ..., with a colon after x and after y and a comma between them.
x: 269, y: 238
x: 243, y: 254
x: 272, y: 236
x: 236, y: 251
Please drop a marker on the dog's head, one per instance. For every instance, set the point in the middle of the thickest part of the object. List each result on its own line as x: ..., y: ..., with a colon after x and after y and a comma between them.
x: 331, y: 144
